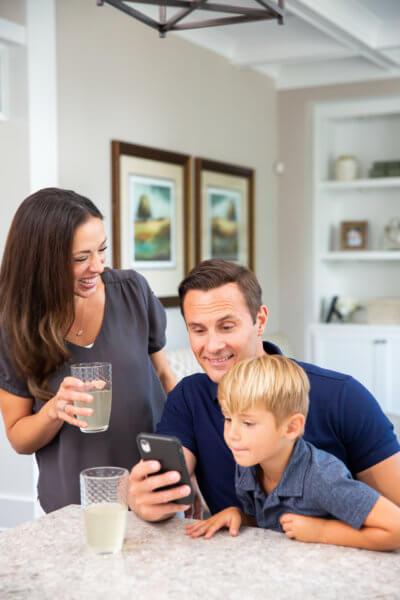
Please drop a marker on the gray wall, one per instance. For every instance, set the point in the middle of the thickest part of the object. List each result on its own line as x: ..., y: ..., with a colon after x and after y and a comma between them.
x: 13, y: 10
x: 118, y: 80
x: 295, y: 202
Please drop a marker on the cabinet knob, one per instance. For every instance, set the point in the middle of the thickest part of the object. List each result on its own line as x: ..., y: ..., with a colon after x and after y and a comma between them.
x: 379, y: 342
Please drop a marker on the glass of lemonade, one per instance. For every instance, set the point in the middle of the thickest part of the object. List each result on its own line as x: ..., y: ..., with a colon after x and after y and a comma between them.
x: 104, y: 492
x: 98, y: 383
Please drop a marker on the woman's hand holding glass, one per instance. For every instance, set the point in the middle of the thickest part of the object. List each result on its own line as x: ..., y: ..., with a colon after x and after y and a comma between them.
x: 62, y: 407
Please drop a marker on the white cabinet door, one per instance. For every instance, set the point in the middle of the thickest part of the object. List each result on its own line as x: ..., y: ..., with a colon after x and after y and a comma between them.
x: 371, y: 355
x: 347, y: 354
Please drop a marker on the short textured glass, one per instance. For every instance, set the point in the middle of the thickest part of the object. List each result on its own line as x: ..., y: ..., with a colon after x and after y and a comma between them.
x: 104, y: 494
x: 98, y: 382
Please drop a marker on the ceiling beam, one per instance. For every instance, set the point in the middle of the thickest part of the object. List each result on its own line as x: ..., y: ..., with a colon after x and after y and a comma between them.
x: 324, y: 76
x: 348, y: 23
x: 305, y: 50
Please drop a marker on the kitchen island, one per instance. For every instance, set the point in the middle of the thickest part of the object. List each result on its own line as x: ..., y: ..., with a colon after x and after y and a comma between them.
x: 48, y: 559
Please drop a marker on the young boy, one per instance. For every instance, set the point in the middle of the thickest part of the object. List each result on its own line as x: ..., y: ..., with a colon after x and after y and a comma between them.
x: 283, y: 482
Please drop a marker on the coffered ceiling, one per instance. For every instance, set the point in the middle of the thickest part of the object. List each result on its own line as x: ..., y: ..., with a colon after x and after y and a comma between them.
x: 322, y: 42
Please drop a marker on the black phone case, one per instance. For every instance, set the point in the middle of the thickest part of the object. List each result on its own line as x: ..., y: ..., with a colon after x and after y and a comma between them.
x: 169, y: 453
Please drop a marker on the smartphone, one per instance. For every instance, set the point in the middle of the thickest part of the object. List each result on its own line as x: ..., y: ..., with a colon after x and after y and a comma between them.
x: 169, y: 453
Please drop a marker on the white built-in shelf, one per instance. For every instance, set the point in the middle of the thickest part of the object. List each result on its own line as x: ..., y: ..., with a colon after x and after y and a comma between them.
x: 364, y: 255
x: 361, y: 184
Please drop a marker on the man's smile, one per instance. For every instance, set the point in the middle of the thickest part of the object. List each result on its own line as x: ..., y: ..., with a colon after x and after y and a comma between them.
x: 218, y: 360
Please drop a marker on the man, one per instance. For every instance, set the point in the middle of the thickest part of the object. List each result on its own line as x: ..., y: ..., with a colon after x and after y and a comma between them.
x: 222, y: 307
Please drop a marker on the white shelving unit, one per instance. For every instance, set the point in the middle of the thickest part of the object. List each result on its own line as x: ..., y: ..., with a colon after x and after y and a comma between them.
x: 370, y: 130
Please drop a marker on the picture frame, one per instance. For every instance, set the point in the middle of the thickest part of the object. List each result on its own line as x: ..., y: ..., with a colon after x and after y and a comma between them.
x: 224, y: 212
x: 353, y: 235
x: 150, y: 211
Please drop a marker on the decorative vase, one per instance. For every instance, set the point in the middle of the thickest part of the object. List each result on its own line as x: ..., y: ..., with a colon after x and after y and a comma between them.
x: 346, y: 167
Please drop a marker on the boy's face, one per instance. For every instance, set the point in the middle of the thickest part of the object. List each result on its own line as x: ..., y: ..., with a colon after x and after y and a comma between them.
x: 221, y: 329
x: 253, y: 436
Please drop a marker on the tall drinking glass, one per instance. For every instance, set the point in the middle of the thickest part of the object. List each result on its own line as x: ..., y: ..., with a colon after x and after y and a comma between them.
x: 104, y: 493
x: 97, y: 381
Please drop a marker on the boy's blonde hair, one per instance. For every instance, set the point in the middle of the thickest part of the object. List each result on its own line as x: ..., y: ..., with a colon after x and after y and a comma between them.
x: 273, y: 382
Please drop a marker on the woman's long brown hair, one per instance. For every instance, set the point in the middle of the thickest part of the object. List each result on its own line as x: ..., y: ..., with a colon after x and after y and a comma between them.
x: 36, y: 283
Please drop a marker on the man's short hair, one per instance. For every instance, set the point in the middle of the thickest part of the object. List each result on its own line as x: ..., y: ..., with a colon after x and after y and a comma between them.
x: 273, y: 382
x: 214, y: 273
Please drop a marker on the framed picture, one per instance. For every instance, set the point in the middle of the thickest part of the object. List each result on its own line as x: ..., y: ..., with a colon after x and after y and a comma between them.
x: 353, y: 235
x: 224, y: 205
x: 150, y: 206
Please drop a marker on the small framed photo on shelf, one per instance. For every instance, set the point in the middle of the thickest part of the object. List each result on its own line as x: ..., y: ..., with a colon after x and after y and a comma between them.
x: 353, y: 235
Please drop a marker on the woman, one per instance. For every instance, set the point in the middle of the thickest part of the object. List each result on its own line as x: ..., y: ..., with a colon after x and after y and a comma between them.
x: 59, y: 306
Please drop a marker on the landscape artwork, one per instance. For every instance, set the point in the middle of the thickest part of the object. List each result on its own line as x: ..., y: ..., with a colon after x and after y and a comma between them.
x: 223, y: 223
x: 153, y: 222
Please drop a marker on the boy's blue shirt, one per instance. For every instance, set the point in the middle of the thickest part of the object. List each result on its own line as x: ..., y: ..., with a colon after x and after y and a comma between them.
x: 344, y: 419
x: 314, y: 484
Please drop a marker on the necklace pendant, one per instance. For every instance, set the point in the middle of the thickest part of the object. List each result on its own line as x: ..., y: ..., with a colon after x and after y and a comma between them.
x: 79, y: 332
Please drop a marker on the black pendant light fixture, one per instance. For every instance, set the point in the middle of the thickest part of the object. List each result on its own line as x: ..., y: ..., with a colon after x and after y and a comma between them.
x: 226, y: 14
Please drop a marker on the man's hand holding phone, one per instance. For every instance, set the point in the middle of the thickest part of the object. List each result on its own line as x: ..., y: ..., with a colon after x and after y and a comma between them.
x: 150, y: 496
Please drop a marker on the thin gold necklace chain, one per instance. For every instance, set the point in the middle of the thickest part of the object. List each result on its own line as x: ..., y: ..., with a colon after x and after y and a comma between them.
x: 79, y: 331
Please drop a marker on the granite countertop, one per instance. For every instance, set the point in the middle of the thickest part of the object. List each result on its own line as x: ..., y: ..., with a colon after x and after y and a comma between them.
x: 47, y: 559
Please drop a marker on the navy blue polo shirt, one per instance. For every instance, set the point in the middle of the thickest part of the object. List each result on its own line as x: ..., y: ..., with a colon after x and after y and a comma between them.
x: 314, y: 484
x: 344, y: 419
